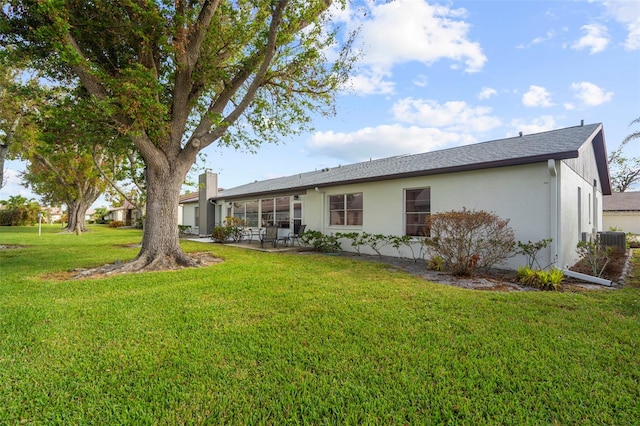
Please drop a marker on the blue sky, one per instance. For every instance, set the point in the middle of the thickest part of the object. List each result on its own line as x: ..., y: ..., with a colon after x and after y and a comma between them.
x: 435, y: 75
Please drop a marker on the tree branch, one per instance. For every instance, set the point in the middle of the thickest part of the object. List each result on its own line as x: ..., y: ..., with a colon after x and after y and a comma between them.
x: 203, y: 133
x: 114, y: 184
x: 88, y: 80
x: 187, y: 58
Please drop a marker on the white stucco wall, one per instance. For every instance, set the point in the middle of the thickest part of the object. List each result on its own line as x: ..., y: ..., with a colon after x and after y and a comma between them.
x: 189, y: 216
x: 626, y: 221
x: 580, y: 211
x: 520, y: 194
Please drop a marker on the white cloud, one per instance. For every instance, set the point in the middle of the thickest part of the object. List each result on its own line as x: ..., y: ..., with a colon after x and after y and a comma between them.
x: 383, y: 141
x: 413, y: 30
x: 453, y: 115
x: 421, y: 80
x: 536, y: 125
x: 13, y: 186
x: 537, y: 96
x: 590, y: 94
x: 541, y: 39
x: 628, y: 14
x: 596, y: 38
x: 486, y: 93
x: 403, y: 31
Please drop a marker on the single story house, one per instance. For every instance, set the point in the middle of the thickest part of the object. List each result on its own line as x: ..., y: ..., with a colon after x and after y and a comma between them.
x: 127, y: 213
x: 189, y: 213
x: 549, y: 185
x: 55, y: 214
x: 621, y: 211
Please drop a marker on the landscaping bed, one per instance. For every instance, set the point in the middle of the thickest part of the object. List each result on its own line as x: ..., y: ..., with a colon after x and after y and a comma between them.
x: 497, y: 279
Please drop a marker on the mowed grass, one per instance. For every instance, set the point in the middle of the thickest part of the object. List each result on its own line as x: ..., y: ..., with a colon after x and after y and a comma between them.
x: 281, y: 338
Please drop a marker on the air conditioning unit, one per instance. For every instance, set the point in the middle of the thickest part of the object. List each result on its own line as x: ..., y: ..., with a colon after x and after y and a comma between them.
x: 613, y: 239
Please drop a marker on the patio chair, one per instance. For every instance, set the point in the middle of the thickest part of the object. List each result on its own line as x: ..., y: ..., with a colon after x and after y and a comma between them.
x: 297, y: 233
x: 269, y: 235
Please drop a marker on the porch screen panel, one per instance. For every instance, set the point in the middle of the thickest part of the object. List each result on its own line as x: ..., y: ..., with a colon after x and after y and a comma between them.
x: 417, y: 210
x: 283, y: 208
x: 251, y: 212
x: 238, y: 211
x: 267, y: 207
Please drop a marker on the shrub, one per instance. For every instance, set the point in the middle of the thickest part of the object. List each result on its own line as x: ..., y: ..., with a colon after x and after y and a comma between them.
x: 543, y: 280
x: 19, y: 211
x: 236, y: 228
x: 116, y: 224
x: 376, y: 242
x: 232, y: 228
x: 530, y: 250
x: 594, y: 254
x: 409, y: 242
x: 468, y: 240
x: 220, y: 234
x: 320, y: 242
x: 357, y: 240
x: 436, y: 263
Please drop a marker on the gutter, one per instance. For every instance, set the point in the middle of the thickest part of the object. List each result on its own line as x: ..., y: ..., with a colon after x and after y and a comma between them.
x: 554, y: 212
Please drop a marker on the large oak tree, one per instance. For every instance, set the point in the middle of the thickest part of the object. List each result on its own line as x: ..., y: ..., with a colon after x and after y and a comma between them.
x: 179, y: 76
x: 63, y: 158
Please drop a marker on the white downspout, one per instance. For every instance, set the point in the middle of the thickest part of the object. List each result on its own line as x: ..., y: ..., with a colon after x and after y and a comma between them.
x: 323, y: 212
x: 554, y: 212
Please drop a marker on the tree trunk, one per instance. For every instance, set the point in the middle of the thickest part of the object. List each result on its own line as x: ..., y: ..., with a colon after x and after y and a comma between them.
x: 160, y: 242
x: 76, y: 212
x: 3, y: 154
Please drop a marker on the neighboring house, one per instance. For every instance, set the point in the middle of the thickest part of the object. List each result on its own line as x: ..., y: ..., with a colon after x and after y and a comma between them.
x: 621, y: 211
x: 54, y: 214
x: 127, y: 213
x: 189, y: 212
x: 549, y: 185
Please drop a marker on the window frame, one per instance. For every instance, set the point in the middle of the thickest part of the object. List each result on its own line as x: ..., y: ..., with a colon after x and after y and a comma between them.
x: 421, y: 214
x: 347, y: 214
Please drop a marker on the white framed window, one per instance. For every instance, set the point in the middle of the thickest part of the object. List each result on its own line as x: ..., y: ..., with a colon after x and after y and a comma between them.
x: 417, y: 208
x: 346, y: 209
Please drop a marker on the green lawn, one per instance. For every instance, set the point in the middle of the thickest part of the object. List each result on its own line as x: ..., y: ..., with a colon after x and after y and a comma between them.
x: 274, y: 338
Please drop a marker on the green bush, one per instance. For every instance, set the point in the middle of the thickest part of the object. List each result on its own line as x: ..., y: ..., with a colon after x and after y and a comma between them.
x: 322, y: 243
x: 543, y: 280
x: 221, y: 234
x: 530, y: 250
x: 594, y: 254
x: 232, y: 229
x: 357, y: 240
x: 435, y: 263
x: 19, y: 211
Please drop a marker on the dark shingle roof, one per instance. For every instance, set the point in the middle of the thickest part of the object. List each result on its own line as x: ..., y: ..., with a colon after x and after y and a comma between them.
x: 621, y: 201
x: 555, y: 144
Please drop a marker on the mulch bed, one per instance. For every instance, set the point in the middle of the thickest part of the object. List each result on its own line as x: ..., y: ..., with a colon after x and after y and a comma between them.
x: 503, y: 279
